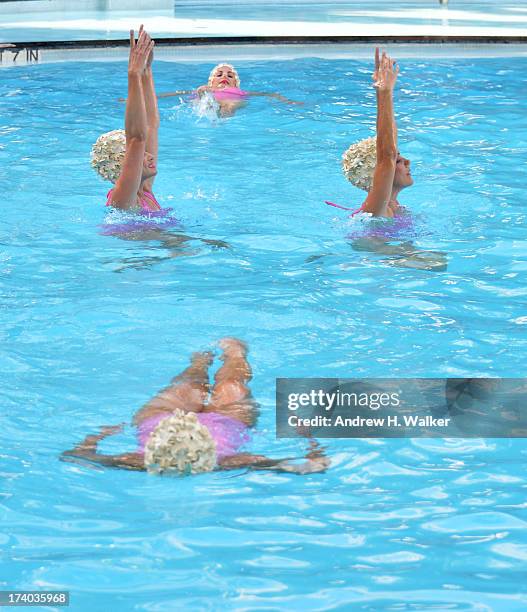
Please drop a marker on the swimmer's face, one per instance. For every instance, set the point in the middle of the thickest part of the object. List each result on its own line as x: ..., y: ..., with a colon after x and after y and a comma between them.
x: 149, y: 166
x: 223, y: 77
x: 403, y: 176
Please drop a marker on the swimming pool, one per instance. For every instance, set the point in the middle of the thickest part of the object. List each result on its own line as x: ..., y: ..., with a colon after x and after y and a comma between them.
x: 94, y: 325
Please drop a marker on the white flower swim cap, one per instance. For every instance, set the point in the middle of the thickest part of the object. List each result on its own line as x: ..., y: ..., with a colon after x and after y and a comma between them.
x: 180, y: 443
x: 107, y: 154
x: 358, y: 162
x: 230, y: 67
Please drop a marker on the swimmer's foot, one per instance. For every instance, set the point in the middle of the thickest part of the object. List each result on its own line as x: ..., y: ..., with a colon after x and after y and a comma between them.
x: 202, y: 358
x: 192, y: 385
x: 232, y: 347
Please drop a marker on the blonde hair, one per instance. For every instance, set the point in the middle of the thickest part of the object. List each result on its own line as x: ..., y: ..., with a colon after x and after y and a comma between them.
x: 230, y: 67
x: 107, y: 154
x: 180, y: 444
x: 359, y: 161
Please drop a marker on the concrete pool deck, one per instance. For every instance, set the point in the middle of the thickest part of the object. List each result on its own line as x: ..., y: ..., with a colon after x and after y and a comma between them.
x: 54, y: 20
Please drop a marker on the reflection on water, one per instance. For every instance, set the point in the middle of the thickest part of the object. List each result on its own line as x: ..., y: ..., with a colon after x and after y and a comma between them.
x: 423, y: 523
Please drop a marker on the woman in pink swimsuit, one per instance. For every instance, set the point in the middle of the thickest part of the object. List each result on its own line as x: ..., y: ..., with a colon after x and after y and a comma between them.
x: 129, y: 158
x: 226, y: 416
x: 376, y: 166
x: 224, y: 86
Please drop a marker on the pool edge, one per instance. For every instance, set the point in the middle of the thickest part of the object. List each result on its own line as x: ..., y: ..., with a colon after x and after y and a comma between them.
x: 260, y: 47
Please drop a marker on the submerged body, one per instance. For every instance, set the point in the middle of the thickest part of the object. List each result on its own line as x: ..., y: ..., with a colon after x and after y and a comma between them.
x: 224, y: 419
x: 223, y: 102
x: 229, y: 100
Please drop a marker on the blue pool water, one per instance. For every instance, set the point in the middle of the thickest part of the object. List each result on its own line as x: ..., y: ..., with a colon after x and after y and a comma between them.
x: 93, y: 325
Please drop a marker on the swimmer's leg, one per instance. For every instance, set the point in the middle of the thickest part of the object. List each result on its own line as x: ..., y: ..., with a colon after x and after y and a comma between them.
x: 178, y: 245
x: 230, y: 395
x: 378, y: 245
x: 176, y: 241
x: 188, y: 391
x: 405, y: 254
x: 170, y: 241
x: 435, y: 261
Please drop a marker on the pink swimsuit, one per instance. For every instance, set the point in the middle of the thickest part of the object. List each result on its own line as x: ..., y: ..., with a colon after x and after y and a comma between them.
x: 390, y: 228
x: 148, y: 202
x: 149, y: 216
x: 355, y: 212
x: 228, y: 433
x: 229, y: 93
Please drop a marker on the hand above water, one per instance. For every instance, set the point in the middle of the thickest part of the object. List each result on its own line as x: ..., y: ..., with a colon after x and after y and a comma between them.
x: 386, y: 72
x: 140, y: 52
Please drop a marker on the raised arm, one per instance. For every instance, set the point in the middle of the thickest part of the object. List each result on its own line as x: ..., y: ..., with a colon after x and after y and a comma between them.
x: 375, y: 80
x: 87, y: 451
x: 152, y: 114
x: 127, y: 185
x: 385, y: 77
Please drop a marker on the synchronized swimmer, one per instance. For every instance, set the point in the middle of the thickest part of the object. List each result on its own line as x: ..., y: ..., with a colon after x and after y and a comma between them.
x: 375, y: 164
x: 223, y: 91
x: 129, y: 158
x: 181, y: 429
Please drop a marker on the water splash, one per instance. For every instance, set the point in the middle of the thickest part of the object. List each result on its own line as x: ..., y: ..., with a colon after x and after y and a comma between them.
x: 207, y: 107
